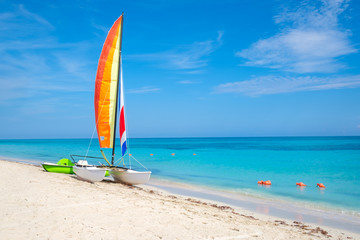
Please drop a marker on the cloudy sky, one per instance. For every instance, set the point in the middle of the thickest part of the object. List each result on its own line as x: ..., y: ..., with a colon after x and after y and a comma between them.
x: 191, y: 68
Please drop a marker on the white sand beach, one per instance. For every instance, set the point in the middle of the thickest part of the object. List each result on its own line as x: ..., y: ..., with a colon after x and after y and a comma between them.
x: 35, y: 204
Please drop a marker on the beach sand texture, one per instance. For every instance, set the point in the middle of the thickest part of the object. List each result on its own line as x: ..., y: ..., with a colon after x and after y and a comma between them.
x: 35, y: 204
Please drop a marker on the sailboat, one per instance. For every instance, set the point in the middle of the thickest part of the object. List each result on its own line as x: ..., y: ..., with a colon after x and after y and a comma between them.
x: 109, y: 98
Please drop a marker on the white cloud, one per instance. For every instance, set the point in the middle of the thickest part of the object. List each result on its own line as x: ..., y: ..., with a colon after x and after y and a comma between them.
x: 187, y: 82
x: 184, y: 57
x: 274, y: 85
x: 219, y: 37
x: 22, y: 23
x: 311, y: 40
x: 43, y: 74
x: 146, y: 89
x: 99, y: 27
x: 52, y: 68
x: 22, y: 11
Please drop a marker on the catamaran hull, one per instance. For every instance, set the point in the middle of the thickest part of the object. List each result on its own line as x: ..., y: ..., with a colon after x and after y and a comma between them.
x: 90, y: 173
x: 52, y: 167
x: 129, y: 176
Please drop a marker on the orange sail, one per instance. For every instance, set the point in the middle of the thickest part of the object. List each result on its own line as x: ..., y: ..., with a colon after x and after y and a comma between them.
x: 106, y: 86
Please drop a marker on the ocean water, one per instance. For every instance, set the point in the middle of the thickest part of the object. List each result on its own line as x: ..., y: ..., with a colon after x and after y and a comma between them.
x: 233, y: 164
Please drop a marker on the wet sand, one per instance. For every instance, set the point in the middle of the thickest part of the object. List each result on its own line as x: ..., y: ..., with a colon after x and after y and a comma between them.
x: 268, y: 207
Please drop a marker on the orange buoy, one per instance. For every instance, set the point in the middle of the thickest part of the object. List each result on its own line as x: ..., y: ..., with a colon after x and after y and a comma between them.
x: 173, y: 154
x: 268, y: 182
x: 261, y: 182
x: 301, y: 184
x: 320, y: 185
x: 151, y: 154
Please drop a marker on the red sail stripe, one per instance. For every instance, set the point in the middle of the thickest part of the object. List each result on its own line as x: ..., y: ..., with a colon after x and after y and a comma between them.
x: 122, y: 122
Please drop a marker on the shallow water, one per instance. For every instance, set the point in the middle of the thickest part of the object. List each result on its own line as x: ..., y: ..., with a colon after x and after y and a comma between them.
x: 234, y: 164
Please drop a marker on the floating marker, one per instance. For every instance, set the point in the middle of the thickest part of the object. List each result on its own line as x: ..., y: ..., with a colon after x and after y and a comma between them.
x: 268, y: 182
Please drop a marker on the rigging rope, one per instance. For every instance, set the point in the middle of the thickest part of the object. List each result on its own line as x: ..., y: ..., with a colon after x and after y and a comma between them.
x: 122, y: 159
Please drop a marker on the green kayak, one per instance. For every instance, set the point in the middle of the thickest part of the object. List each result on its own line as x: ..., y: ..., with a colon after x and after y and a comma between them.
x: 63, y: 166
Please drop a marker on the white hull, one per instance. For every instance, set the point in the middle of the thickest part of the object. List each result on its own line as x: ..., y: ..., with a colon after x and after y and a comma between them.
x: 89, y: 173
x: 129, y: 176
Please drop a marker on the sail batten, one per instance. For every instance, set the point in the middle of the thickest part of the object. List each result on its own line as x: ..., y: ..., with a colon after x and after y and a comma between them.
x: 106, y: 85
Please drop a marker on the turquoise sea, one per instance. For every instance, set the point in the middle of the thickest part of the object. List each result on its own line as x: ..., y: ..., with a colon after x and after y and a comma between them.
x: 233, y: 164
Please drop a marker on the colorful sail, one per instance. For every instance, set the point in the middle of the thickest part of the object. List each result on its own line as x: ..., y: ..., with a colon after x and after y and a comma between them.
x: 122, y: 117
x: 106, y: 86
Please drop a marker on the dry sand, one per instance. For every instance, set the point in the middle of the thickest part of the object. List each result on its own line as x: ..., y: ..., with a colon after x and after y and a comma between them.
x: 35, y: 204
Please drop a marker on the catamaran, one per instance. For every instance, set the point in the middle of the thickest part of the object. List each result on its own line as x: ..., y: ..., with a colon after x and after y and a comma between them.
x: 109, y: 92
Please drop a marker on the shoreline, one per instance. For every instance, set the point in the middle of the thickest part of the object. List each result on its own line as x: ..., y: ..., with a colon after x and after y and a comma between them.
x: 274, y: 208
x: 264, y: 206
x: 277, y: 208
x: 39, y: 204
x: 195, y: 217
x: 254, y: 196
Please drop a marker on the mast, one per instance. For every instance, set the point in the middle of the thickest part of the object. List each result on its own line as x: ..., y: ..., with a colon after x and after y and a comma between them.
x: 117, y: 91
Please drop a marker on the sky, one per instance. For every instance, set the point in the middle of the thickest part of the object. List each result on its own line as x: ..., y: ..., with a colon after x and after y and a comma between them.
x: 232, y: 68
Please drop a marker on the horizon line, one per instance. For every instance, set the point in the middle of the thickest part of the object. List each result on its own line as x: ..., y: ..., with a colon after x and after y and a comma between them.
x: 285, y: 136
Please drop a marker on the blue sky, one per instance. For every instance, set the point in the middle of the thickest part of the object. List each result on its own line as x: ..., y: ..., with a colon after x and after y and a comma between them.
x: 191, y: 68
